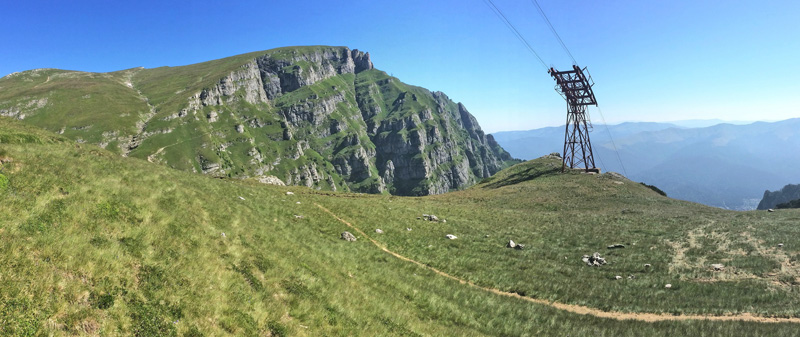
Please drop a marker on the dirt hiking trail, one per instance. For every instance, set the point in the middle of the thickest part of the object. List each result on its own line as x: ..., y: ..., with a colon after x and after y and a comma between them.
x: 578, y: 309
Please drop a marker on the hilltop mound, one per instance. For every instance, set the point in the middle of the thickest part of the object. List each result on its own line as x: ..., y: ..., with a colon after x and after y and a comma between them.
x: 317, y: 116
x: 524, y: 171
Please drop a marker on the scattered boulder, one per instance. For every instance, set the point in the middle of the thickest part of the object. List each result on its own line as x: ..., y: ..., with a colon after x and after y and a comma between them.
x: 430, y: 217
x: 298, y: 216
x: 668, y: 285
x: 379, y: 231
x: 718, y: 266
x: 347, y: 236
x: 616, y: 246
x: 223, y: 234
x: 444, y: 220
x: 297, y: 203
x: 617, y: 277
x: 451, y: 236
x: 408, y: 229
x: 240, y: 197
x: 594, y: 261
x: 780, y: 245
x: 770, y: 210
x: 631, y: 277
x: 512, y: 244
x: 647, y: 266
x: 289, y: 193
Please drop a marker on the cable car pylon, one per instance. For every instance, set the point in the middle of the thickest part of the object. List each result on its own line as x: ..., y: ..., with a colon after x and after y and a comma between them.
x: 576, y: 87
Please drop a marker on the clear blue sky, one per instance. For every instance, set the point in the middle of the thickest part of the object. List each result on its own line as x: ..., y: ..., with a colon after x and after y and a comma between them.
x: 651, y: 60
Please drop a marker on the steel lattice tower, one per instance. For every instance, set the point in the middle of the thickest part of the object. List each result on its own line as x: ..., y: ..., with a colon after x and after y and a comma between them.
x: 576, y: 88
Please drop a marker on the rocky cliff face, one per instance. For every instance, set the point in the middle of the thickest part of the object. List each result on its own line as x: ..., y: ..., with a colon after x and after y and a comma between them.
x: 786, y: 194
x: 322, y: 117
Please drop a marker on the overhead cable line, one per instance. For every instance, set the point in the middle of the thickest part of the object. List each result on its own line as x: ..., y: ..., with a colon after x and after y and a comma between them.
x: 612, y: 141
x: 552, y: 29
x: 563, y: 45
x: 519, y: 36
x: 514, y: 30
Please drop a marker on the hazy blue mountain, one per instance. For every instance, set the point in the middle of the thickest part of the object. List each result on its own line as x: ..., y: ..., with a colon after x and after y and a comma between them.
x: 704, y: 123
x: 724, y: 165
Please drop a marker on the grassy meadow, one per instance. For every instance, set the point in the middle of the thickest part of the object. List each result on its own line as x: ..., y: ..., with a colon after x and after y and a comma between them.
x: 92, y: 243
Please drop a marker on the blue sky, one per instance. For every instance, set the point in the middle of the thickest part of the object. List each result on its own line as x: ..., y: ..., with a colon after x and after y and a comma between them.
x: 651, y: 60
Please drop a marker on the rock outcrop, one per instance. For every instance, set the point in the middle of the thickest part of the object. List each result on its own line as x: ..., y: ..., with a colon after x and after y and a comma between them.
x: 786, y: 194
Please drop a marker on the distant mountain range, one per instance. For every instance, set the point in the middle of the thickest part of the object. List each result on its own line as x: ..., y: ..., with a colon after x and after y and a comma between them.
x: 725, y: 165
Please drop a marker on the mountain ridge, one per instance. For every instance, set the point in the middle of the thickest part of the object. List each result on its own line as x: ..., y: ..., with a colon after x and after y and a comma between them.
x: 317, y: 116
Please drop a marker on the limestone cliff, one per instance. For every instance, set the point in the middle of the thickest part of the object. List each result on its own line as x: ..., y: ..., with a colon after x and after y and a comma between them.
x: 320, y: 116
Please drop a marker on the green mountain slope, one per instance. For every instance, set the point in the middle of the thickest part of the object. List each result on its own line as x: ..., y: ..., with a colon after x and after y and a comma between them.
x: 317, y: 116
x: 92, y: 243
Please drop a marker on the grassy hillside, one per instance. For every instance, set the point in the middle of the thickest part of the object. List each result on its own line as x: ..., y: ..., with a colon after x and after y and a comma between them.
x: 92, y: 243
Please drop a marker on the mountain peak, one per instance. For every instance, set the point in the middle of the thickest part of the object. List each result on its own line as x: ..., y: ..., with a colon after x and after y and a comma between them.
x: 361, y: 60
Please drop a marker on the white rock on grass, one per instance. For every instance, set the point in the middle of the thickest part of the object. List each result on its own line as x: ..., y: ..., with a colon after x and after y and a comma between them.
x: 668, y: 286
x: 241, y: 198
x: 347, y: 236
x: 379, y: 231
x: 430, y: 217
x: 290, y: 193
x: 451, y: 236
x: 594, y: 261
x: 617, y: 277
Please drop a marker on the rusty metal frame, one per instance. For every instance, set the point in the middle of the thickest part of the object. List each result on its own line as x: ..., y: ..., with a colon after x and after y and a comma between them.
x: 576, y: 87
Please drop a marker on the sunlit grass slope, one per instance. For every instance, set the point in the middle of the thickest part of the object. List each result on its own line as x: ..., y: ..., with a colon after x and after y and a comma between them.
x: 561, y: 217
x: 95, y: 244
